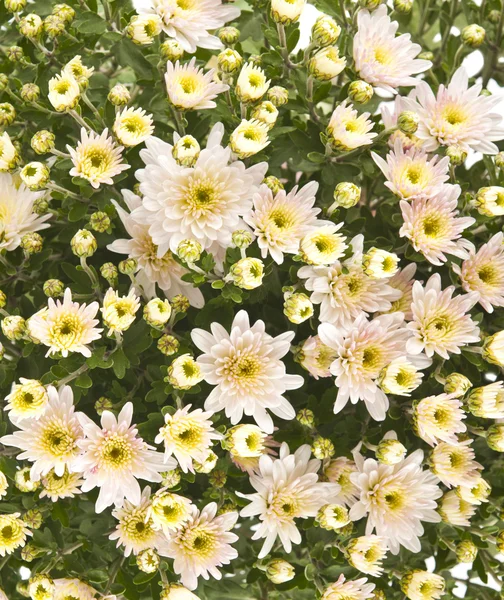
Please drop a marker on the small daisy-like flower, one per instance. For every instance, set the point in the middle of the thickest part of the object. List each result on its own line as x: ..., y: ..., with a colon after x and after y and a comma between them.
x: 133, y: 126
x: 64, y: 91
x: 56, y: 486
x: 28, y: 399
x: 169, y: 511
x: 251, y: 84
x: 323, y: 245
x: 458, y: 115
x: 490, y: 201
x: 366, y: 554
x: 400, y: 377
x: 487, y: 402
x: 66, y: 326
x: 77, y: 69
x: 4, y: 484
x: 281, y: 220
x: 142, y: 29
x: 333, y: 517
x: 403, y: 282
x: 97, y: 158
x: 75, y: 589
x: 483, y: 272
x: 246, y: 369
x: 455, y: 510
x: 434, y: 227
x: 118, y: 312
x: 41, y: 587
x: 190, y: 88
x: 24, y: 482
x: 454, y: 465
x: 476, y: 492
x: 266, y: 112
x: 339, y: 470
x: 249, y: 138
x: 326, y: 64
x: 35, y: 175
x: 411, y: 173
x: 246, y: 444
x: 202, y: 545
x: 422, y: 585
x: 8, y: 153
x: 316, y: 357
x: 358, y: 589
x: 184, y: 372
x: 348, y: 130
x: 187, y: 435
x: 440, y: 324
x: 439, y: 419
x: 13, y: 532
x: 380, y: 264
x: 51, y: 442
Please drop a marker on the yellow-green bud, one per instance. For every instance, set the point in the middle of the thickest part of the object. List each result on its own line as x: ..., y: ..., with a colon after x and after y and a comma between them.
x: 30, y: 92
x: 370, y: 4
x: 53, y: 288
x: 298, y: 308
x: 346, y: 195
x: 494, y: 16
x: 278, y: 95
x: 32, y: 243
x: 63, y: 11
x: 279, y: 571
x: 31, y: 26
x: 2, y: 351
x: 31, y: 552
x: 229, y: 61
x: 43, y: 141
x: 35, y: 175
x: 408, y: 121
x: 128, y: 266
x: 189, y: 251
x: 4, y: 82
x: 41, y: 587
x: 180, y: 303
x: 242, y: 239
x: 255, y: 59
x: 7, y: 114
x: 24, y: 482
x: 229, y: 35
x: 466, y: 551
x: 99, y: 221
x: 322, y: 448
x: 218, y: 478
x: 266, y: 112
x: 493, y: 348
x: 306, y: 417
x: 326, y: 31
x: 119, y: 95
x: 102, y: 404
x: 109, y: 272
x: 186, y: 151
x: 457, y: 384
x: 247, y: 273
x: 15, y: 53
x: 360, y: 92
x: 33, y: 518
x: 83, y: 243
x: 148, y: 560
x: 168, y: 345
x: 286, y: 12
x: 3, y: 299
x: 227, y: 507
x: 207, y: 465
x: 499, y: 160
x: 390, y: 452
x: 22, y: 589
x: 157, y: 313
x: 333, y: 517
x: 170, y: 478
x: 456, y: 154
x: 171, y: 50
x: 274, y: 184
x: 40, y: 206
x: 13, y: 327
x: 495, y: 437
x: 403, y: 6
x: 378, y: 595
x: 426, y: 55
x: 13, y: 6
x: 473, y: 35
x: 54, y: 26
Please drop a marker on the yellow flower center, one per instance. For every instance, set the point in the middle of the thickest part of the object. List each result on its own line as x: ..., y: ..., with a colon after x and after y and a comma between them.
x: 137, y: 528
x: 58, y: 440
x: 372, y: 358
x: 200, y: 541
x: 116, y: 452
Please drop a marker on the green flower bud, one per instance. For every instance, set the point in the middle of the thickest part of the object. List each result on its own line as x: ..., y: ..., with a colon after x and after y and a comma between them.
x: 83, y: 243
x: 128, y: 266
x: 171, y: 478
x: 466, y: 551
x: 99, y: 221
x: 31, y: 26
x: 218, y: 478
x: 378, y: 595
x: 370, y: 4
x: 242, y: 239
x: 32, y: 243
x: 157, y: 313
x: 189, y: 251
x: 298, y: 308
x: 3, y: 299
x: 408, y: 121
x: 306, y: 417
x: 322, y: 448
x: 2, y: 351
x: 229, y: 35
x: 53, y: 288
x: 31, y: 552
x: 24, y: 482
x: 390, y: 452
x: 40, y: 206
x: 495, y: 437
x: 180, y: 303
x: 278, y: 96
x: 35, y: 175
x: 13, y: 6
x: 457, y: 384
x: 33, y: 518
x: 346, y: 195
x: 64, y: 12
x: 7, y: 114
x: 168, y: 345
x: 119, y: 95
x: 171, y: 50
x: 426, y: 55
x: 15, y: 53
x: 148, y: 560
x: 274, y: 184
x: 4, y: 82
x: 54, y: 26
x: 326, y: 31
x: 247, y: 273
x: 360, y: 92
x: 30, y: 92
x: 13, y: 327
x: 102, y: 404
x: 473, y: 35
x: 456, y: 154
x: 110, y: 273
x: 403, y: 6
x: 499, y: 160
x: 499, y: 541
x: 255, y: 59
x: 43, y: 141
x: 229, y: 61
x: 494, y: 16
x: 186, y: 151
x: 227, y: 507
x: 279, y: 571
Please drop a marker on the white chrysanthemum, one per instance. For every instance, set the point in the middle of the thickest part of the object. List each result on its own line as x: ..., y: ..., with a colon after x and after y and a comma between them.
x: 118, y: 312
x: 113, y: 457
x: 287, y: 488
x: 439, y: 419
x: 476, y: 492
x: 487, y: 401
x: 169, y: 511
x: 400, y: 377
x: 457, y: 115
x: 8, y: 153
x: 490, y: 201
x: 142, y: 29
x: 344, y: 291
x: 366, y: 553
x: 4, y: 484
x: 28, y: 400
x: 190, y: 88
x: 358, y: 589
x: 455, y: 510
x: 381, y: 57
x: 72, y: 589
x: 205, y: 202
x: 188, y: 436
x: 97, y: 158
x: 403, y: 282
x: 249, y: 138
x: 280, y: 221
x: 246, y: 444
x: 316, y: 357
x: 64, y: 91
x: 133, y: 126
x: 16, y: 212
x: 76, y: 68
x: 252, y: 83
x: 13, y: 532
x: 411, y: 173
x: 56, y: 486
x: 396, y: 498
x: 323, y: 245
x: 202, y: 545
x: 246, y: 369
x: 339, y: 470
x: 190, y: 22
x: 454, y: 465
x: 184, y: 373
x: 348, y: 130
x: 66, y: 326
x: 51, y: 442
x: 422, y: 585
x: 380, y: 264
x: 135, y: 530
x: 153, y: 269
x: 434, y: 227
x: 326, y: 64
x: 483, y: 272
x: 361, y: 354
x: 440, y: 324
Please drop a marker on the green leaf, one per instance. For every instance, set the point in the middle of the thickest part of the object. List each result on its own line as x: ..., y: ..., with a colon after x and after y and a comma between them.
x: 90, y: 22
x: 121, y: 363
x: 84, y: 381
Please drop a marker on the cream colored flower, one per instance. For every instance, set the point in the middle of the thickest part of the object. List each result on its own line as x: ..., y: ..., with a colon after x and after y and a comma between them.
x: 339, y: 470
x: 455, y: 510
x: 252, y: 83
x: 366, y: 554
x: 64, y: 91
x: 348, y: 130
x: 316, y: 357
x: 422, y: 585
x: 56, y: 486
x: 13, y: 532
x: 326, y: 64
x: 190, y: 88
x: 169, y: 511
x: 323, y: 245
x: 358, y: 589
x: 490, y: 201
x: 487, y: 401
x: 118, y: 312
x: 400, y: 377
x: 380, y: 264
x: 8, y: 153
x: 133, y: 126
x: 249, y: 138
x: 439, y: 419
x: 142, y: 29
x: 78, y: 70
x: 27, y: 399
x: 454, y: 465
x: 184, y: 372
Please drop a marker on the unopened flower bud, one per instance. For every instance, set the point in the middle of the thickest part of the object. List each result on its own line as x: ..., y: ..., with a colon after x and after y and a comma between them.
x: 99, y: 221
x: 403, y: 6
x: 30, y: 552
x: 171, y: 478
x: 40, y: 206
x: 473, y: 35
x: 218, y: 478
x: 428, y: 586
x: 54, y: 26
x: 15, y: 53
x: 43, y: 141
x: 298, y: 308
x: 33, y: 518
x: 3, y: 299
x: 142, y: 29
x: 119, y: 95
x: 128, y: 266
x: 157, y: 313
x: 286, y: 11
x: 266, y: 112
x: 229, y: 61
x: 279, y: 571
x: 180, y: 303
x: 378, y: 595
x: 466, y: 551
x: 379, y: 264
x: 35, y: 175
x: 499, y: 160
x: 242, y: 239
x: 13, y: 327
x: 186, y: 151
x: 493, y: 349
x: 327, y: 63
x: 408, y: 121
x: 189, y: 251
x: 306, y: 417
x: 207, y: 465
x: 456, y: 154
x: 148, y: 560
x: 7, y: 114
x: 229, y: 35
x: 32, y: 243
x: 30, y: 92
x: 322, y: 448
x: 494, y: 16
x: 4, y: 82
x: 333, y: 517
x: 495, y: 437
x: 278, y: 95
x: 457, y: 384
x: 13, y: 6
x: 426, y: 56
x: 274, y: 184
x: 24, y: 482
x: 102, y: 404
x: 171, y: 50
x: 109, y: 272
x: 83, y: 243
x: 247, y: 273
x: 326, y: 31
x: 346, y: 195
x: 360, y: 92
x: 390, y: 452
x: 168, y: 345
x: 63, y: 11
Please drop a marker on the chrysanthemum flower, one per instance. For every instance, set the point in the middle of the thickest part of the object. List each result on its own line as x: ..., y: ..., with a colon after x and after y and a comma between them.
x: 113, y: 457
x: 476, y: 492
x: 483, y: 272
x: 142, y: 29
x: 64, y: 589
x: 97, y: 158
x: 202, y: 545
x: 455, y: 510
x: 323, y: 245
x: 51, y: 442
x: 28, y: 399
x: 8, y: 153
x: 133, y: 126
x: 118, y: 312
x: 169, y: 511
x: 66, y: 326
x: 190, y: 88
x: 326, y: 64
x: 400, y: 377
x: 348, y: 130
x: 396, y: 498
x: 316, y: 357
x: 439, y: 419
x: 403, y: 282
x: 358, y: 589
x: 246, y: 368
x: 252, y: 83
x: 190, y: 22
x: 4, y: 484
x: 411, y: 173
x: 76, y: 68
x: 24, y: 482
x: 41, y: 587
x: 454, y: 465
x: 366, y: 553
x: 440, y: 324
x: 287, y: 488
x: 457, y: 115
x: 490, y: 201
x: 56, y: 486
x: 187, y: 435
x: 13, y: 532
x: 246, y: 444
x: 249, y: 138
x: 422, y: 585
x: 339, y: 470
x: 280, y: 221
x: 381, y: 58
x: 380, y: 264
x: 64, y: 91
x: 361, y: 354
x: 487, y: 401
